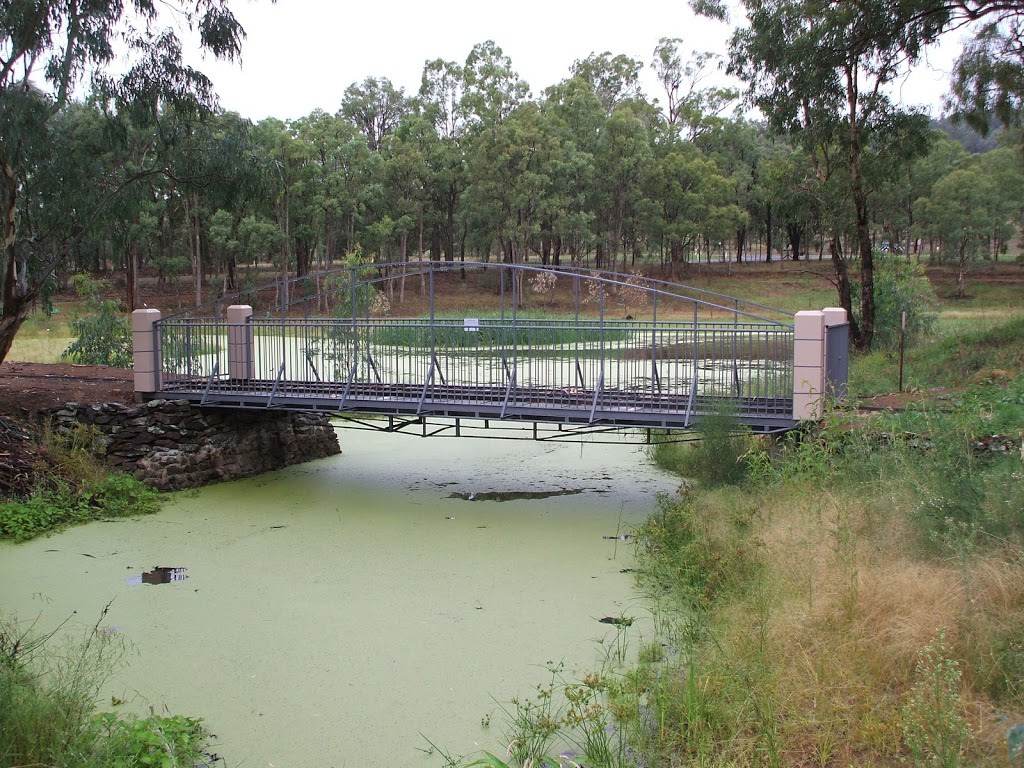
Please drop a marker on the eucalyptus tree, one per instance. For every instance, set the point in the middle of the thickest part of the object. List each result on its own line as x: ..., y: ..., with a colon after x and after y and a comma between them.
x: 988, y: 77
x: 375, y: 107
x: 225, y: 168
x: 818, y: 72
x: 790, y: 188
x: 574, y: 113
x: 944, y: 155
x: 508, y: 177
x: 694, y: 202
x: 961, y: 213
x: 973, y: 211
x: 442, y: 100
x: 288, y: 158
x: 406, y: 174
x: 493, y: 89
x: 46, y: 51
x: 624, y: 160
x: 615, y: 79
x: 327, y: 138
x: 738, y: 148
x: 692, y: 108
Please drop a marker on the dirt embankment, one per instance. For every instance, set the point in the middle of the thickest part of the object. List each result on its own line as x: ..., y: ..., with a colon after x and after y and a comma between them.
x: 28, y: 388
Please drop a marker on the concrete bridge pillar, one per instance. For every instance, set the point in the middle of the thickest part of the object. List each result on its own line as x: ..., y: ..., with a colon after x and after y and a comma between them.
x: 810, y: 353
x: 241, y: 347
x: 146, y: 350
x: 808, y: 364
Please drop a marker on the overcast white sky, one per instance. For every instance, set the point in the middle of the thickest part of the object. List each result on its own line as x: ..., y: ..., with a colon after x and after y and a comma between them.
x: 300, y: 55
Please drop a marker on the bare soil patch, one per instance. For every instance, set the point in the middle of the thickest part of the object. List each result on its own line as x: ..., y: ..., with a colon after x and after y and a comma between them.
x: 28, y: 388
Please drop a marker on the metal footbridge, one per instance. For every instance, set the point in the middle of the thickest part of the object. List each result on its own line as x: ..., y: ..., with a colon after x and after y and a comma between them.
x: 634, y: 355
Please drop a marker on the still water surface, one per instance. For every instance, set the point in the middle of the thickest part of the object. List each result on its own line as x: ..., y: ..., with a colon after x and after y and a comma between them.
x: 335, y: 613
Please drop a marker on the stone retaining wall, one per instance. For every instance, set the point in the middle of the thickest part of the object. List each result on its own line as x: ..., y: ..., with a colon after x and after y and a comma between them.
x: 172, y: 445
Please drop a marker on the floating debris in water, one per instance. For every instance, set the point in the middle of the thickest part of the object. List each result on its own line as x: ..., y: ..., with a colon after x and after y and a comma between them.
x: 160, y: 574
x: 620, y: 537
x: 514, y: 495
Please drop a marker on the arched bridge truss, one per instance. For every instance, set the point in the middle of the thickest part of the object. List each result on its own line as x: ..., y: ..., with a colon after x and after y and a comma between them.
x: 634, y: 354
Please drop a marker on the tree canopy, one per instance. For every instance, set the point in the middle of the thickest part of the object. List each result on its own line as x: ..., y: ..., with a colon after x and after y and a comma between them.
x: 47, y: 51
x: 141, y: 172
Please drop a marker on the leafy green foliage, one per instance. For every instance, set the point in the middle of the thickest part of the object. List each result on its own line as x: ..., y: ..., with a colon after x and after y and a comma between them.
x: 104, y: 334
x: 60, y: 505
x: 160, y: 741
x: 901, y: 286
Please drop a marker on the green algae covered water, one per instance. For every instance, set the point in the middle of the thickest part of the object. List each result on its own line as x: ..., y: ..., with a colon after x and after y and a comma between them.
x: 342, y: 612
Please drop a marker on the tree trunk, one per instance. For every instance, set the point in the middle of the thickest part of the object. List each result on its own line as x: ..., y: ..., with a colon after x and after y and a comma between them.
x: 960, y: 281
x: 796, y: 235
x: 16, y: 299
x: 865, y: 334
x: 843, y: 283
x: 14, y: 313
x: 131, y: 278
x: 195, y: 251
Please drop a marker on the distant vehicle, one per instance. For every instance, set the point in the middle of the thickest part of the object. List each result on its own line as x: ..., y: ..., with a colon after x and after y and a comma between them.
x: 890, y: 247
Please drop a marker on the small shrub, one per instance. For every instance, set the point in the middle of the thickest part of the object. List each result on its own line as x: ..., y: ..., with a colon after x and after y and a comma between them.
x: 900, y: 286
x: 104, y: 335
x: 934, y: 729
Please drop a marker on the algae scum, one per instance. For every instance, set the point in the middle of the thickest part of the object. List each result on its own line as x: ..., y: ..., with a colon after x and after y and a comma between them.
x: 339, y: 612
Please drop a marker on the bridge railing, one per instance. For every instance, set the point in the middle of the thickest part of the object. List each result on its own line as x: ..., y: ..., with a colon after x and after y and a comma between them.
x: 543, y: 365
x: 353, y: 290
x: 683, y: 352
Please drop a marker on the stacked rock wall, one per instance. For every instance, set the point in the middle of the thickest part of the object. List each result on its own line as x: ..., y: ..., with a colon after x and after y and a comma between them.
x: 172, y: 445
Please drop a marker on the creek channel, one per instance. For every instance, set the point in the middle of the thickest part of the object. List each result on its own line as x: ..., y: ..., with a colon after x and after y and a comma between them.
x: 341, y: 612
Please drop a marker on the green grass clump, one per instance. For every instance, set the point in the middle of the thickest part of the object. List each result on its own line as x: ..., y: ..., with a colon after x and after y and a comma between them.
x: 718, y: 457
x: 48, y: 711
x: 964, y: 352
x: 59, y: 504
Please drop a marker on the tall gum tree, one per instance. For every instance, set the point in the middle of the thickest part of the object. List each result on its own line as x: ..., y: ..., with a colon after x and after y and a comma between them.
x: 47, y: 50
x: 818, y: 71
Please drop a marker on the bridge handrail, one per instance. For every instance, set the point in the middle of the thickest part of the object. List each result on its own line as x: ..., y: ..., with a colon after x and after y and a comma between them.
x: 655, y: 287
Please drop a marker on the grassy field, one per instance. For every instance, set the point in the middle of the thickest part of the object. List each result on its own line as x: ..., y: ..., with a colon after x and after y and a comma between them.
x: 42, y: 338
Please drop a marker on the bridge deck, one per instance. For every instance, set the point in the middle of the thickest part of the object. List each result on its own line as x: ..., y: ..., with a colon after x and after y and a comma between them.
x: 575, y: 406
